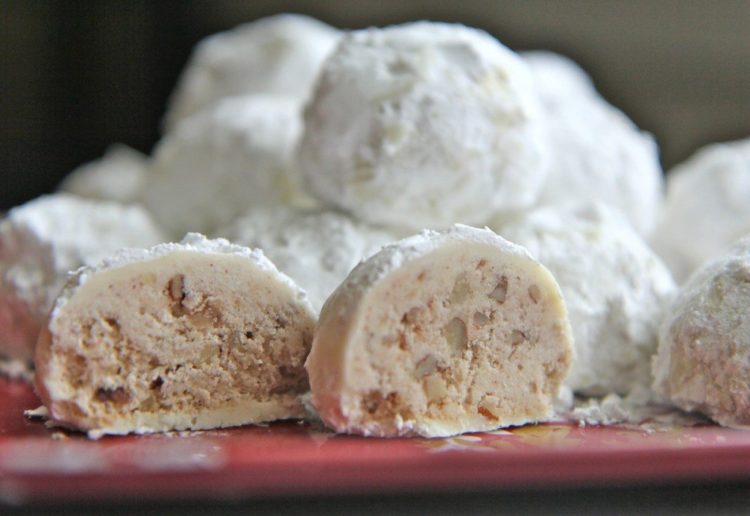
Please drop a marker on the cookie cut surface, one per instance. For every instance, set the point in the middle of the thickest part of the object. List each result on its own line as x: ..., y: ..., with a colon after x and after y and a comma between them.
x: 439, y: 334
x: 197, y: 335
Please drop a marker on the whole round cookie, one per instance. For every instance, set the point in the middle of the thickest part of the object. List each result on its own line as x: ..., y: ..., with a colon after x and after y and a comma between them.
x: 316, y: 248
x: 423, y: 125
x: 200, y: 334
x: 439, y: 334
x: 596, y: 152
x: 44, y: 239
x: 706, y: 208
x: 279, y: 54
x: 704, y: 341
x: 614, y: 285
x: 212, y: 166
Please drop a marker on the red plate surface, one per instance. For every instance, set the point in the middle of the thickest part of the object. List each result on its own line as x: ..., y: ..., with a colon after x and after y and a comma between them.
x: 41, y: 464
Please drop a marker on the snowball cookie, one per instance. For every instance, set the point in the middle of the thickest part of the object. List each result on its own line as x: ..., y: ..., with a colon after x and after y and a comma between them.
x: 280, y: 54
x: 119, y: 175
x: 707, y: 206
x: 614, y: 285
x: 201, y: 334
x: 438, y: 334
x: 423, y: 124
x: 596, y: 151
x: 704, y: 342
x: 557, y: 78
x: 41, y: 241
x: 216, y: 164
x: 316, y: 248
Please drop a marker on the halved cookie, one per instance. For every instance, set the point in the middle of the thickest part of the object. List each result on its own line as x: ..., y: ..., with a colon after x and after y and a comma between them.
x: 196, y: 335
x: 439, y: 334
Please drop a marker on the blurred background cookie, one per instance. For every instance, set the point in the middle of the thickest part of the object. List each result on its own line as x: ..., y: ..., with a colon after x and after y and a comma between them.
x: 77, y: 77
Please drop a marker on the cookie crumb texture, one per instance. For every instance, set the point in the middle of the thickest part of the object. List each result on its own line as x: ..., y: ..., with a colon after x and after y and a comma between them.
x: 184, y: 341
x: 463, y: 339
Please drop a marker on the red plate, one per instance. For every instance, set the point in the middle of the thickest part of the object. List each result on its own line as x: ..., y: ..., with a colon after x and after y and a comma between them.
x: 39, y: 464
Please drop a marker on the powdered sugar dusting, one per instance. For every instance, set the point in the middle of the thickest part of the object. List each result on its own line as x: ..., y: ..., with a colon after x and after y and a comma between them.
x: 191, y: 243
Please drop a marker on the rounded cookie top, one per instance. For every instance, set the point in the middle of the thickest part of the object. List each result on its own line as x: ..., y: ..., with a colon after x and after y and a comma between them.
x: 557, y: 78
x: 596, y: 151
x: 423, y: 125
x: 215, y: 164
x: 192, y: 243
x: 317, y: 248
x: 706, y: 207
x: 395, y: 255
x: 119, y: 175
x: 279, y: 54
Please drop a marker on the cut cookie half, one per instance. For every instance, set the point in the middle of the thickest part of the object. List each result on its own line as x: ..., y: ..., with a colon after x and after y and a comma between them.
x: 201, y: 334
x: 439, y: 334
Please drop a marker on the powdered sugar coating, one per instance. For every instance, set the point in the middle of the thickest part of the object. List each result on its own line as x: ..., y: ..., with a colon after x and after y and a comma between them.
x: 317, y: 248
x: 41, y: 241
x: 706, y: 208
x: 423, y: 125
x: 193, y: 243
x: 557, y: 78
x: 614, y: 286
x: 393, y: 256
x: 596, y: 151
x: 704, y: 341
x: 216, y: 164
x: 280, y: 55
x: 119, y: 175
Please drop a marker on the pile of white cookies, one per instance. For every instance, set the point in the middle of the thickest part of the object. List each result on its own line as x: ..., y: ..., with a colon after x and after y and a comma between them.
x: 313, y: 159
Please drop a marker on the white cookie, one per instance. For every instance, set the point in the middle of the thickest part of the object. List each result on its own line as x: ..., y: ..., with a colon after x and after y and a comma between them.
x: 615, y: 288
x: 216, y: 164
x: 201, y: 334
x: 316, y: 248
x: 596, y: 151
x: 119, y: 176
x: 707, y: 206
x: 439, y: 334
x: 704, y: 344
x: 44, y: 239
x: 423, y: 125
x: 280, y: 55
